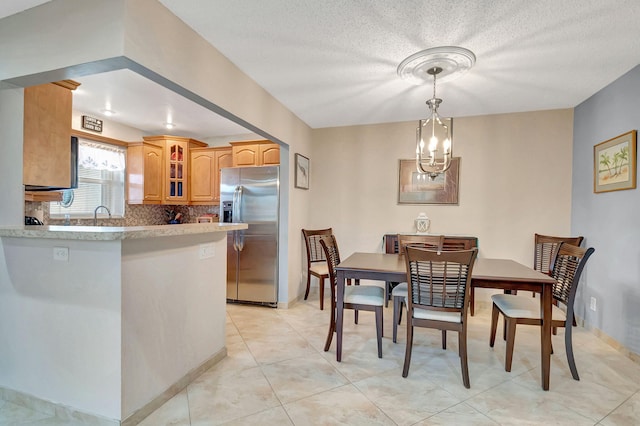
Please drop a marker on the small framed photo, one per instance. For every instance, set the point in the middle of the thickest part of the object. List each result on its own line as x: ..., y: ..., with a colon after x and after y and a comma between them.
x: 302, y: 172
x: 614, y: 163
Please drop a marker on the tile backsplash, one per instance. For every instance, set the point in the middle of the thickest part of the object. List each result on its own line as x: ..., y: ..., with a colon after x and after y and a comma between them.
x: 134, y: 215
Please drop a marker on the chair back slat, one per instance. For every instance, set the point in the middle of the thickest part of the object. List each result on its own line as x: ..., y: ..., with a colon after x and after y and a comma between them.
x: 568, y: 264
x: 439, y: 280
x: 312, y: 242
x: 546, y: 247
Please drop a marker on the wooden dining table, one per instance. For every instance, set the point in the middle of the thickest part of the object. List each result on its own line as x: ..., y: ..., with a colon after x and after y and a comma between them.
x: 503, y: 274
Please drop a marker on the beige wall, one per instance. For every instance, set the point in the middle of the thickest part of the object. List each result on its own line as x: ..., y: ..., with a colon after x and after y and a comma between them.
x: 515, y: 180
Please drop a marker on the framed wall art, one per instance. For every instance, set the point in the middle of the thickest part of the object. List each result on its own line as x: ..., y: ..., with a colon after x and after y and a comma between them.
x: 416, y: 188
x: 302, y: 172
x: 614, y: 163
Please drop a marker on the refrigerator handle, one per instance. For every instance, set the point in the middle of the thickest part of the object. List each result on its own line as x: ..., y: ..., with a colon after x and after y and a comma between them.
x: 237, y: 213
x: 238, y: 207
x: 240, y: 239
x: 238, y: 235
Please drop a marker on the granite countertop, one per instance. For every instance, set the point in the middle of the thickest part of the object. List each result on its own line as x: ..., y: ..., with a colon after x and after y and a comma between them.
x: 107, y: 233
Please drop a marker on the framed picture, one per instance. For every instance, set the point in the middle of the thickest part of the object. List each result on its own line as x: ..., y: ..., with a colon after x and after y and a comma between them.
x: 302, y: 172
x: 417, y: 188
x: 614, y: 163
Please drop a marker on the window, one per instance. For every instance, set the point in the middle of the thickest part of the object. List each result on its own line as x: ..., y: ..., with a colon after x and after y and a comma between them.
x: 100, y: 182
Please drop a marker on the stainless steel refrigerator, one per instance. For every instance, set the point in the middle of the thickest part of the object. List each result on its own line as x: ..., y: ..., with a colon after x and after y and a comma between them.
x: 251, y: 195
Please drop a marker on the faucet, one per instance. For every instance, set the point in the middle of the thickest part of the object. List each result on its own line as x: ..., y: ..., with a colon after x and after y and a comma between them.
x: 95, y: 214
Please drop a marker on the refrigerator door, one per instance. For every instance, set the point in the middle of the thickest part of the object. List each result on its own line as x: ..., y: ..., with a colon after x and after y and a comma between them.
x: 257, y: 269
x: 259, y: 199
x: 258, y: 245
x: 229, y: 181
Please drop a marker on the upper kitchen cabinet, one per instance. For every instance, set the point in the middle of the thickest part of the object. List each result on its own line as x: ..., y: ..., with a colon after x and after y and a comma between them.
x: 175, y: 187
x: 145, y: 173
x: 255, y: 153
x: 204, y: 182
x: 47, y: 134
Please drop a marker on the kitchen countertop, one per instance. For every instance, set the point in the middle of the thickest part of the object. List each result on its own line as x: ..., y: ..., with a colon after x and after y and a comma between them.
x: 109, y: 233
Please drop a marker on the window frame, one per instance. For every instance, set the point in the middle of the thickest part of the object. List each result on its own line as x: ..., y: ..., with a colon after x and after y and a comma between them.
x: 104, y: 140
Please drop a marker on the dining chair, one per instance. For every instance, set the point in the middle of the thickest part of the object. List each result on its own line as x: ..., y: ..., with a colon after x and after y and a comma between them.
x: 400, y: 291
x: 438, y: 298
x: 316, y: 261
x: 568, y: 264
x: 356, y: 297
x: 546, y: 247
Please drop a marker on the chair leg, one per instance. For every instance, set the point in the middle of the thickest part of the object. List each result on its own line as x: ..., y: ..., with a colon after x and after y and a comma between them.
x: 444, y: 339
x: 504, y: 330
x: 407, y: 351
x: 321, y: 285
x: 511, y: 337
x: 494, y: 325
x: 397, y: 312
x: 306, y: 293
x: 472, y: 300
x: 332, y: 329
x: 387, y: 293
x: 568, y: 343
x: 462, y: 344
x: 379, y: 323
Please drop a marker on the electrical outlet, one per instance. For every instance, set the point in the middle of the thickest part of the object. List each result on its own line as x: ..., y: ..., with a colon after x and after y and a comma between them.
x: 207, y: 250
x: 592, y: 304
x: 61, y: 254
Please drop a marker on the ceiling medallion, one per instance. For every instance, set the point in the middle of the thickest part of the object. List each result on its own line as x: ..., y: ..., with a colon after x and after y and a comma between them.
x: 454, y: 61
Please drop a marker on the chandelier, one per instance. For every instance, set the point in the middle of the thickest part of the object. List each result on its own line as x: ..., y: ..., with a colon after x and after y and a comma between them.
x: 434, y: 145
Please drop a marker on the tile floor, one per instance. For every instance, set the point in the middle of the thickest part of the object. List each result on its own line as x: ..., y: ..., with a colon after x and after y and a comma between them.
x: 277, y: 373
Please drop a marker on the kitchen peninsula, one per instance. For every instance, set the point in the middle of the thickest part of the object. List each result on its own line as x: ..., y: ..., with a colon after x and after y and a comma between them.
x: 110, y: 322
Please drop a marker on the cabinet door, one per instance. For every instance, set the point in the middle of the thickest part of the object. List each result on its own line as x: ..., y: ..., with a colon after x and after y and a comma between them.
x: 152, y: 175
x: 224, y: 158
x: 269, y: 154
x: 176, y: 172
x: 47, y: 136
x: 246, y: 155
x: 202, y: 179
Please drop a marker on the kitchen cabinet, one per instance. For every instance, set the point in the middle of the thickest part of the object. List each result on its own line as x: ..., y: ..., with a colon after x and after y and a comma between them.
x: 144, y: 173
x: 204, y: 182
x: 255, y: 153
x: 47, y: 134
x: 169, y: 162
x: 224, y: 159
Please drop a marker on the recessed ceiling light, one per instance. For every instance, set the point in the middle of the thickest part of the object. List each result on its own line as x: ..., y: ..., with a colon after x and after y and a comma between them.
x: 108, y: 112
x: 169, y: 125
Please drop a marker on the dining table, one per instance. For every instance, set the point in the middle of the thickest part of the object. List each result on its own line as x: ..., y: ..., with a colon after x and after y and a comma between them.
x: 503, y: 274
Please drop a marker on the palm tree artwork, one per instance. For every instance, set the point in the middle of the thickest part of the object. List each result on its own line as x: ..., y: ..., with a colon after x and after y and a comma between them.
x: 614, y: 164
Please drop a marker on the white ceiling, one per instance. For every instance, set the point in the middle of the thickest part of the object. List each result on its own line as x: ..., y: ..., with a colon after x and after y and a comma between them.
x: 333, y: 62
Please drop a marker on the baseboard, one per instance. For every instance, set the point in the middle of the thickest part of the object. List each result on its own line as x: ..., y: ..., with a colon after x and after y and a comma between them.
x: 612, y: 342
x: 140, y: 414
x: 62, y: 412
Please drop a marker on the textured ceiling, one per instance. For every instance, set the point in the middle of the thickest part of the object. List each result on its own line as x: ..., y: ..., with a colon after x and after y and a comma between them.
x: 333, y: 62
